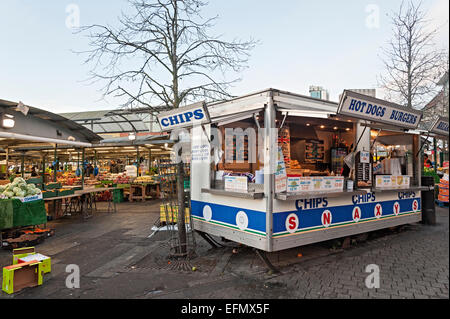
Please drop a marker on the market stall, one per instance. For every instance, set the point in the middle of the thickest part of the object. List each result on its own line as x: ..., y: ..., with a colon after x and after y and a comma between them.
x: 316, y: 183
x: 24, y: 132
x: 439, y: 130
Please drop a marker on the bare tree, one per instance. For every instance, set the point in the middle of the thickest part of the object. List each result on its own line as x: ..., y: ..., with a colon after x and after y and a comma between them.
x: 411, y: 59
x: 164, y: 55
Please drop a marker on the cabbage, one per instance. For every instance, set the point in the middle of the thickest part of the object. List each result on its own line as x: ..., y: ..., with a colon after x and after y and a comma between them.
x: 18, y: 180
x: 16, y: 190
x: 9, y: 194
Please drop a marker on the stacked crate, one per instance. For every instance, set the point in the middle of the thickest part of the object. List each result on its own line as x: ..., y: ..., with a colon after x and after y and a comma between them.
x: 443, y: 191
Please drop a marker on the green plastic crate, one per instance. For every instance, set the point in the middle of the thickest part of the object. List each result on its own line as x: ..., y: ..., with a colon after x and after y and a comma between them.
x: 52, y: 186
x: 65, y: 192
x: 49, y: 194
x: 34, y: 180
x: 118, y: 195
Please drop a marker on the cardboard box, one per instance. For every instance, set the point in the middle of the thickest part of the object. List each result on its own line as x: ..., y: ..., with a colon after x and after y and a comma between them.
x: 26, y: 254
x: 22, y: 275
x: 46, y: 264
x: 21, y: 252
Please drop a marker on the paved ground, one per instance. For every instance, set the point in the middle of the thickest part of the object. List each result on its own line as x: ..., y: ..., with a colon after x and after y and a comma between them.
x: 117, y: 260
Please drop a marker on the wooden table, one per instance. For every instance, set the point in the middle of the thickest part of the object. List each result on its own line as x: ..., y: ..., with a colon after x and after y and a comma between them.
x: 85, y: 201
x: 143, y: 188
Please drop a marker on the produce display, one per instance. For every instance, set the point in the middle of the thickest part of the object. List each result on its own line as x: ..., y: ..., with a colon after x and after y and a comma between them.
x: 90, y: 182
x: 70, y: 181
x: 145, y: 179
x: 106, y: 177
x: 18, y: 188
x: 123, y: 179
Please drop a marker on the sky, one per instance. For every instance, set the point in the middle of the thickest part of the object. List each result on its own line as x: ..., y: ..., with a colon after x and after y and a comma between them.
x: 333, y: 44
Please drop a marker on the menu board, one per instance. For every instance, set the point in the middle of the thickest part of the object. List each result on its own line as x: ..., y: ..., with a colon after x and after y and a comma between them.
x: 391, y: 181
x: 284, y: 140
x: 316, y: 183
x: 236, y: 183
x: 280, y: 174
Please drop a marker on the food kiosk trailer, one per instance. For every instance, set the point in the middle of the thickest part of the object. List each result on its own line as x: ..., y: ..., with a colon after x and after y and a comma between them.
x: 307, y: 179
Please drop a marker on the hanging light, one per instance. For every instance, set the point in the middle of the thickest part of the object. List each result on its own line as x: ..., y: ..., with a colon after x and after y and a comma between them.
x: 8, y: 121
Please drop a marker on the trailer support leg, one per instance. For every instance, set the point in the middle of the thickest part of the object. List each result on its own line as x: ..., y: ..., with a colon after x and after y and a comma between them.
x: 262, y: 255
x: 207, y: 239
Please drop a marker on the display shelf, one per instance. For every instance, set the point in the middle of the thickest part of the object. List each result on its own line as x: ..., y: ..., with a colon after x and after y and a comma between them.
x: 223, y: 192
x: 402, y: 189
x: 322, y: 193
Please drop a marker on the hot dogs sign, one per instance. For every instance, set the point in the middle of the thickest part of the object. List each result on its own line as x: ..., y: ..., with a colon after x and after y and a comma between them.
x: 376, y: 110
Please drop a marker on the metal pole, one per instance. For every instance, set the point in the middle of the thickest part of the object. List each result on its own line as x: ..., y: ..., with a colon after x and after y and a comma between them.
x: 22, y: 165
x: 181, y: 209
x: 270, y: 158
x: 149, y: 160
x: 138, y: 164
x: 7, y: 160
x: 56, y: 163
x: 435, y: 154
x: 43, y: 168
x: 82, y: 168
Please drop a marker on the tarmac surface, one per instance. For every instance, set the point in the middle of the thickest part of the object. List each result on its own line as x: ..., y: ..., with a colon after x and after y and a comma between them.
x: 117, y: 259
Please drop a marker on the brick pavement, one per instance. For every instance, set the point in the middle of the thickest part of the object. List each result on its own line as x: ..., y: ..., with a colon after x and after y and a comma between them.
x: 117, y: 260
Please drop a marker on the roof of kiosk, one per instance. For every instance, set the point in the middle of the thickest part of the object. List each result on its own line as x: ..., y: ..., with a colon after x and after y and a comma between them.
x: 284, y: 101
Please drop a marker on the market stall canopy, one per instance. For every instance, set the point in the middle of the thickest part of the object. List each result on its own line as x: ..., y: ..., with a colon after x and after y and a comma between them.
x: 374, y: 110
x: 24, y: 125
x: 116, y: 121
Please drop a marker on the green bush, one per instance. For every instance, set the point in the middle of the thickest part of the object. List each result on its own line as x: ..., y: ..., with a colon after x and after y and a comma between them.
x: 430, y: 172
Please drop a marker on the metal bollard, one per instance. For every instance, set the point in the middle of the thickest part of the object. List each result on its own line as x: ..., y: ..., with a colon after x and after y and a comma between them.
x: 428, y: 205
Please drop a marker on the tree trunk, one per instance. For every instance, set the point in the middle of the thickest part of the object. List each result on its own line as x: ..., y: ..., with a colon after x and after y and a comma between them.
x: 181, y: 209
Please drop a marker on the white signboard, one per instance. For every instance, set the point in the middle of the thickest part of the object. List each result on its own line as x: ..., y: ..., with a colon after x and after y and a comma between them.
x: 280, y: 174
x: 440, y: 126
x: 188, y: 116
x: 236, y: 183
x: 372, y: 109
x: 365, y: 157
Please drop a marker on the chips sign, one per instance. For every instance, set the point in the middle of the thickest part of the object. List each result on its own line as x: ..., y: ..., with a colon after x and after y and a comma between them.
x: 440, y: 126
x: 187, y: 116
x: 372, y: 109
